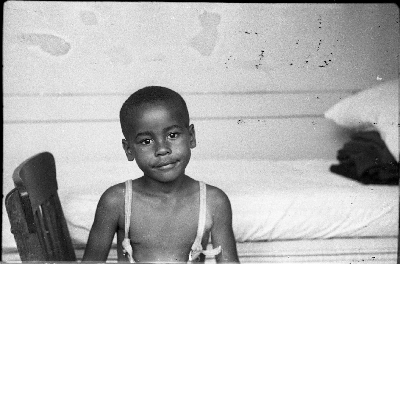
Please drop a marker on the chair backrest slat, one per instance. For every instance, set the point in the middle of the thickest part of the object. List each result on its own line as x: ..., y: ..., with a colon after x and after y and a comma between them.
x: 51, y: 231
x: 55, y: 229
x: 28, y: 242
x: 43, y: 234
x: 37, y: 175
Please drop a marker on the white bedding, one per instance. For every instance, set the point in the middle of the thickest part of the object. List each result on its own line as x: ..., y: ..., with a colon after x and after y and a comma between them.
x: 271, y: 200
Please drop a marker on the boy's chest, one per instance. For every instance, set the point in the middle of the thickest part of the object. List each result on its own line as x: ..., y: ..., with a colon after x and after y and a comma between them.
x: 164, y: 224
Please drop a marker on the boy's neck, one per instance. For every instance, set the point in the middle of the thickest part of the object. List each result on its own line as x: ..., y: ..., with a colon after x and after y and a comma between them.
x: 161, y: 189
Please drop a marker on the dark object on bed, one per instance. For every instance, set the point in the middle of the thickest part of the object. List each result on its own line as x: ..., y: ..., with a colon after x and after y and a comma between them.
x: 35, y: 213
x: 365, y: 158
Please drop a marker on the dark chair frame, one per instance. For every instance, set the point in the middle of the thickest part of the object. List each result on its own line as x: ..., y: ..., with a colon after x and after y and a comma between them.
x: 35, y: 212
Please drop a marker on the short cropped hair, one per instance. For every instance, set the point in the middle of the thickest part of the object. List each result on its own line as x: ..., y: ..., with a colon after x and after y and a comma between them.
x: 146, y: 95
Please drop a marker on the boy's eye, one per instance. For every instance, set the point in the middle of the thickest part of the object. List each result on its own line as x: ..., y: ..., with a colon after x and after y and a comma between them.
x: 145, y: 141
x: 173, y: 135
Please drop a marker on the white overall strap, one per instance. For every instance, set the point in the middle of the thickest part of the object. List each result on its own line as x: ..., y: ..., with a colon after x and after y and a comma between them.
x: 197, y: 248
x: 202, y: 215
x: 126, y: 243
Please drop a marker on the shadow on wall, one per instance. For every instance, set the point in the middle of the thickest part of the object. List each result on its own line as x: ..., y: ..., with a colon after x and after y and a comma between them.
x: 51, y: 44
x: 204, y: 42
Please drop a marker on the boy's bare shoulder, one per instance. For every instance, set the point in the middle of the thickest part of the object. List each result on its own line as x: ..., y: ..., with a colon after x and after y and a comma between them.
x: 114, y: 196
x: 216, y: 196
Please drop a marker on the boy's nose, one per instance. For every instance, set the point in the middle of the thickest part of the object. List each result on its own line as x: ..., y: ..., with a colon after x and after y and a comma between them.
x: 162, y: 149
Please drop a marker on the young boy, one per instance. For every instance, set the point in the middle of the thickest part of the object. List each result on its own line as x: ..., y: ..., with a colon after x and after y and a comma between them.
x: 164, y: 216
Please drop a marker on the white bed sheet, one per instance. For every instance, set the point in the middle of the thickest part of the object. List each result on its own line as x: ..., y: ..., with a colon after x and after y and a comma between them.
x: 285, y: 200
x: 271, y: 200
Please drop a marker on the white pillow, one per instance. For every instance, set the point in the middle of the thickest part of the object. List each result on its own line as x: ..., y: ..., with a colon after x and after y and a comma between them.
x: 374, y: 108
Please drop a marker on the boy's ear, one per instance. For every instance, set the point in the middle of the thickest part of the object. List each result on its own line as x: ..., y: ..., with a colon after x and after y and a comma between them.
x: 128, y: 151
x: 192, y: 134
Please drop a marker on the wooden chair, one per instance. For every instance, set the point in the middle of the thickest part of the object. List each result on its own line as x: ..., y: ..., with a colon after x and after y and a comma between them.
x: 35, y: 213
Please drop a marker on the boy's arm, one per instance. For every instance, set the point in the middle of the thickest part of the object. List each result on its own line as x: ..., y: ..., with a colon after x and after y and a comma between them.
x: 221, y: 230
x: 104, y: 226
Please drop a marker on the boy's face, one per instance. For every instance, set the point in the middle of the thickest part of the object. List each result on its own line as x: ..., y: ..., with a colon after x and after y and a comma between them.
x: 160, y: 140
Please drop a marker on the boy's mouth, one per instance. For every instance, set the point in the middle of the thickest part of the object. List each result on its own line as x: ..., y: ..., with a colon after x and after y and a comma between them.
x: 166, y: 165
